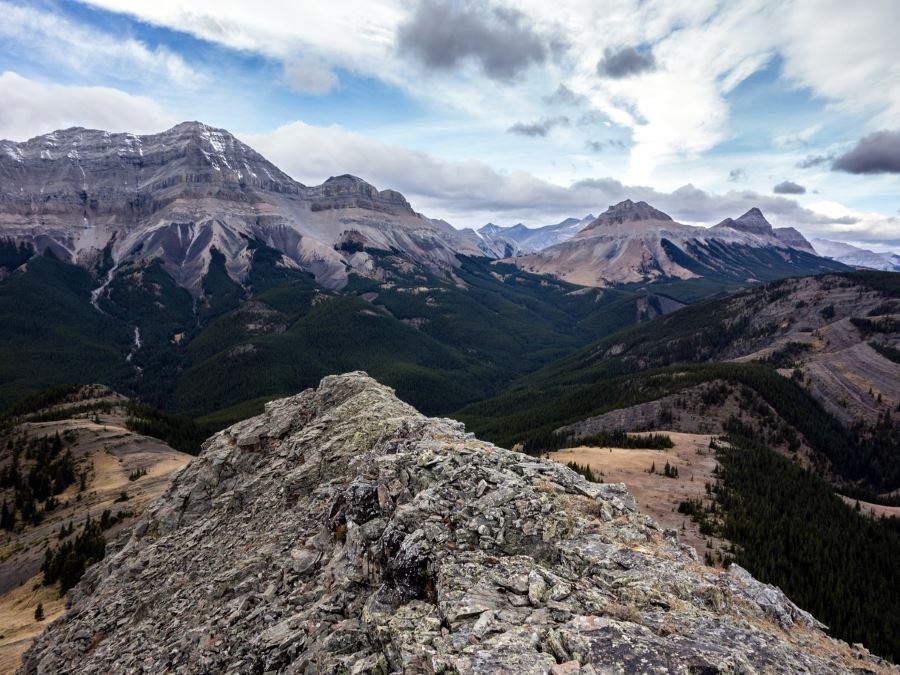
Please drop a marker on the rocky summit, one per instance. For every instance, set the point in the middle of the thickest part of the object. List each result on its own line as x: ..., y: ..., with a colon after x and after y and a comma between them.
x: 342, y: 531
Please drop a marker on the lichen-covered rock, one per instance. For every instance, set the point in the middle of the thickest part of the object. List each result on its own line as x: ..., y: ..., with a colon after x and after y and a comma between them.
x: 343, y: 532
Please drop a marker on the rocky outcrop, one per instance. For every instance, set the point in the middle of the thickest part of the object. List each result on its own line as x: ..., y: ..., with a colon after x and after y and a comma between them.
x: 793, y: 238
x: 342, y: 531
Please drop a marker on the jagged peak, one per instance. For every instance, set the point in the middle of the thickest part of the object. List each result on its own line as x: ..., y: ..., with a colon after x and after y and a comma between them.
x: 753, y: 222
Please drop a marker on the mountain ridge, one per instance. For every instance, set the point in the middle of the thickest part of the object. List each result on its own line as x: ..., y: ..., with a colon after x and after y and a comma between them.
x: 91, y: 196
x: 383, y: 540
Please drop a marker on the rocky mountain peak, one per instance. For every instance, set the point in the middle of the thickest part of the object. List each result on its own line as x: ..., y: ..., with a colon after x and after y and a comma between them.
x: 627, y: 211
x: 342, y: 531
x: 346, y: 191
x: 792, y: 237
x: 752, y: 222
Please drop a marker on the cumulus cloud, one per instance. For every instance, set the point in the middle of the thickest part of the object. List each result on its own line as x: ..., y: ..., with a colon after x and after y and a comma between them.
x: 32, y: 108
x: 625, y: 62
x: 876, y: 153
x: 309, y: 76
x: 787, y: 187
x: 441, y: 34
x: 540, y: 128
x: 736, y: 175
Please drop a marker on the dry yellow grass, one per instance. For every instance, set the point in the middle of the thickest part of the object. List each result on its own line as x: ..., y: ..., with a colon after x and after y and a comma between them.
x: 655, y: 494
x: 111, y: 453
x: 18, y: 626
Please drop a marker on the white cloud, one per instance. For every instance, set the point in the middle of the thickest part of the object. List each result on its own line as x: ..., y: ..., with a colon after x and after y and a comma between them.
x: 86, y: 51
x: 469, y: 193
x: 848, y: 54
x: 31, y: 108
x: 356, y: 34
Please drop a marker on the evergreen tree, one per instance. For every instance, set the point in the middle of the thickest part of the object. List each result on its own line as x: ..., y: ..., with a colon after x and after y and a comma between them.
x: 39, y: 612
x: 7, y: 517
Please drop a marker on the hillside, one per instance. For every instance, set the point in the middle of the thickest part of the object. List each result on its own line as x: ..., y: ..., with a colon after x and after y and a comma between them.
x: 73, y: 473
x: 343, y: 531
x: 815, y: 352
x: 442, y: 344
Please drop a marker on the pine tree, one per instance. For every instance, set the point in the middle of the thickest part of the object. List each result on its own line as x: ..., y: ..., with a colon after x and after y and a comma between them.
x: 39, y: 612
x: 7, y: 517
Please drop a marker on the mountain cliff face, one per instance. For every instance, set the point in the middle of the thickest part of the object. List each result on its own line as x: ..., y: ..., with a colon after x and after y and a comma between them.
x: 107, y: 200
x: 632, y: 242
x: 342, y: 531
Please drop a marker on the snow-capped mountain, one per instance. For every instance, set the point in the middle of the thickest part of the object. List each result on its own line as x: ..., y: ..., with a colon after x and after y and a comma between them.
x: 632, y: 242
x: 858, y: 257
x: 531, y: 240
x: 107, y: 199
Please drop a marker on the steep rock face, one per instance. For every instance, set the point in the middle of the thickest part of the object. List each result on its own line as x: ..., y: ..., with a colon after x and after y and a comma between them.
x: 105, y: 200
x: 632, y: 242
x: 341, y: 531
x: 752, y: 222
x: 794, y: 239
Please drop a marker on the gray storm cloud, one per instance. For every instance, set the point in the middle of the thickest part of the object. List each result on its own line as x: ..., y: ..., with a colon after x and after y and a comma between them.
x: 441, y: 35
x: 625, y: 62
x: 876, y: 153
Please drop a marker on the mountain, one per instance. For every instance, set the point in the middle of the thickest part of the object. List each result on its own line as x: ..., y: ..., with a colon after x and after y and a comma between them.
x: 342, y: 531
x: 186, y: 270
x: 531, y: 240
x: 77, y: 465
x: 634, y: 243
x: 109, y: 200
x: 857, y: 257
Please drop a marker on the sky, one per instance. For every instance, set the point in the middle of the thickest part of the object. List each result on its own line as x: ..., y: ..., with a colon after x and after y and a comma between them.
x: 492, y: 111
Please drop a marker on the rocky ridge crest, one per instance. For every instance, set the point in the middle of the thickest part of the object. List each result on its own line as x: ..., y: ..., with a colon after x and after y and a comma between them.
x: 342, y: 531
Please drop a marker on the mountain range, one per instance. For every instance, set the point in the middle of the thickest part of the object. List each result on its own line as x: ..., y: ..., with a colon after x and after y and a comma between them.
x: 106, y: 201
x: 634, y: 243
x: 186, y: 269
x: 857, y: 257
x: 742, y: 385
x: 524, y: 239
x: 111, y: 201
